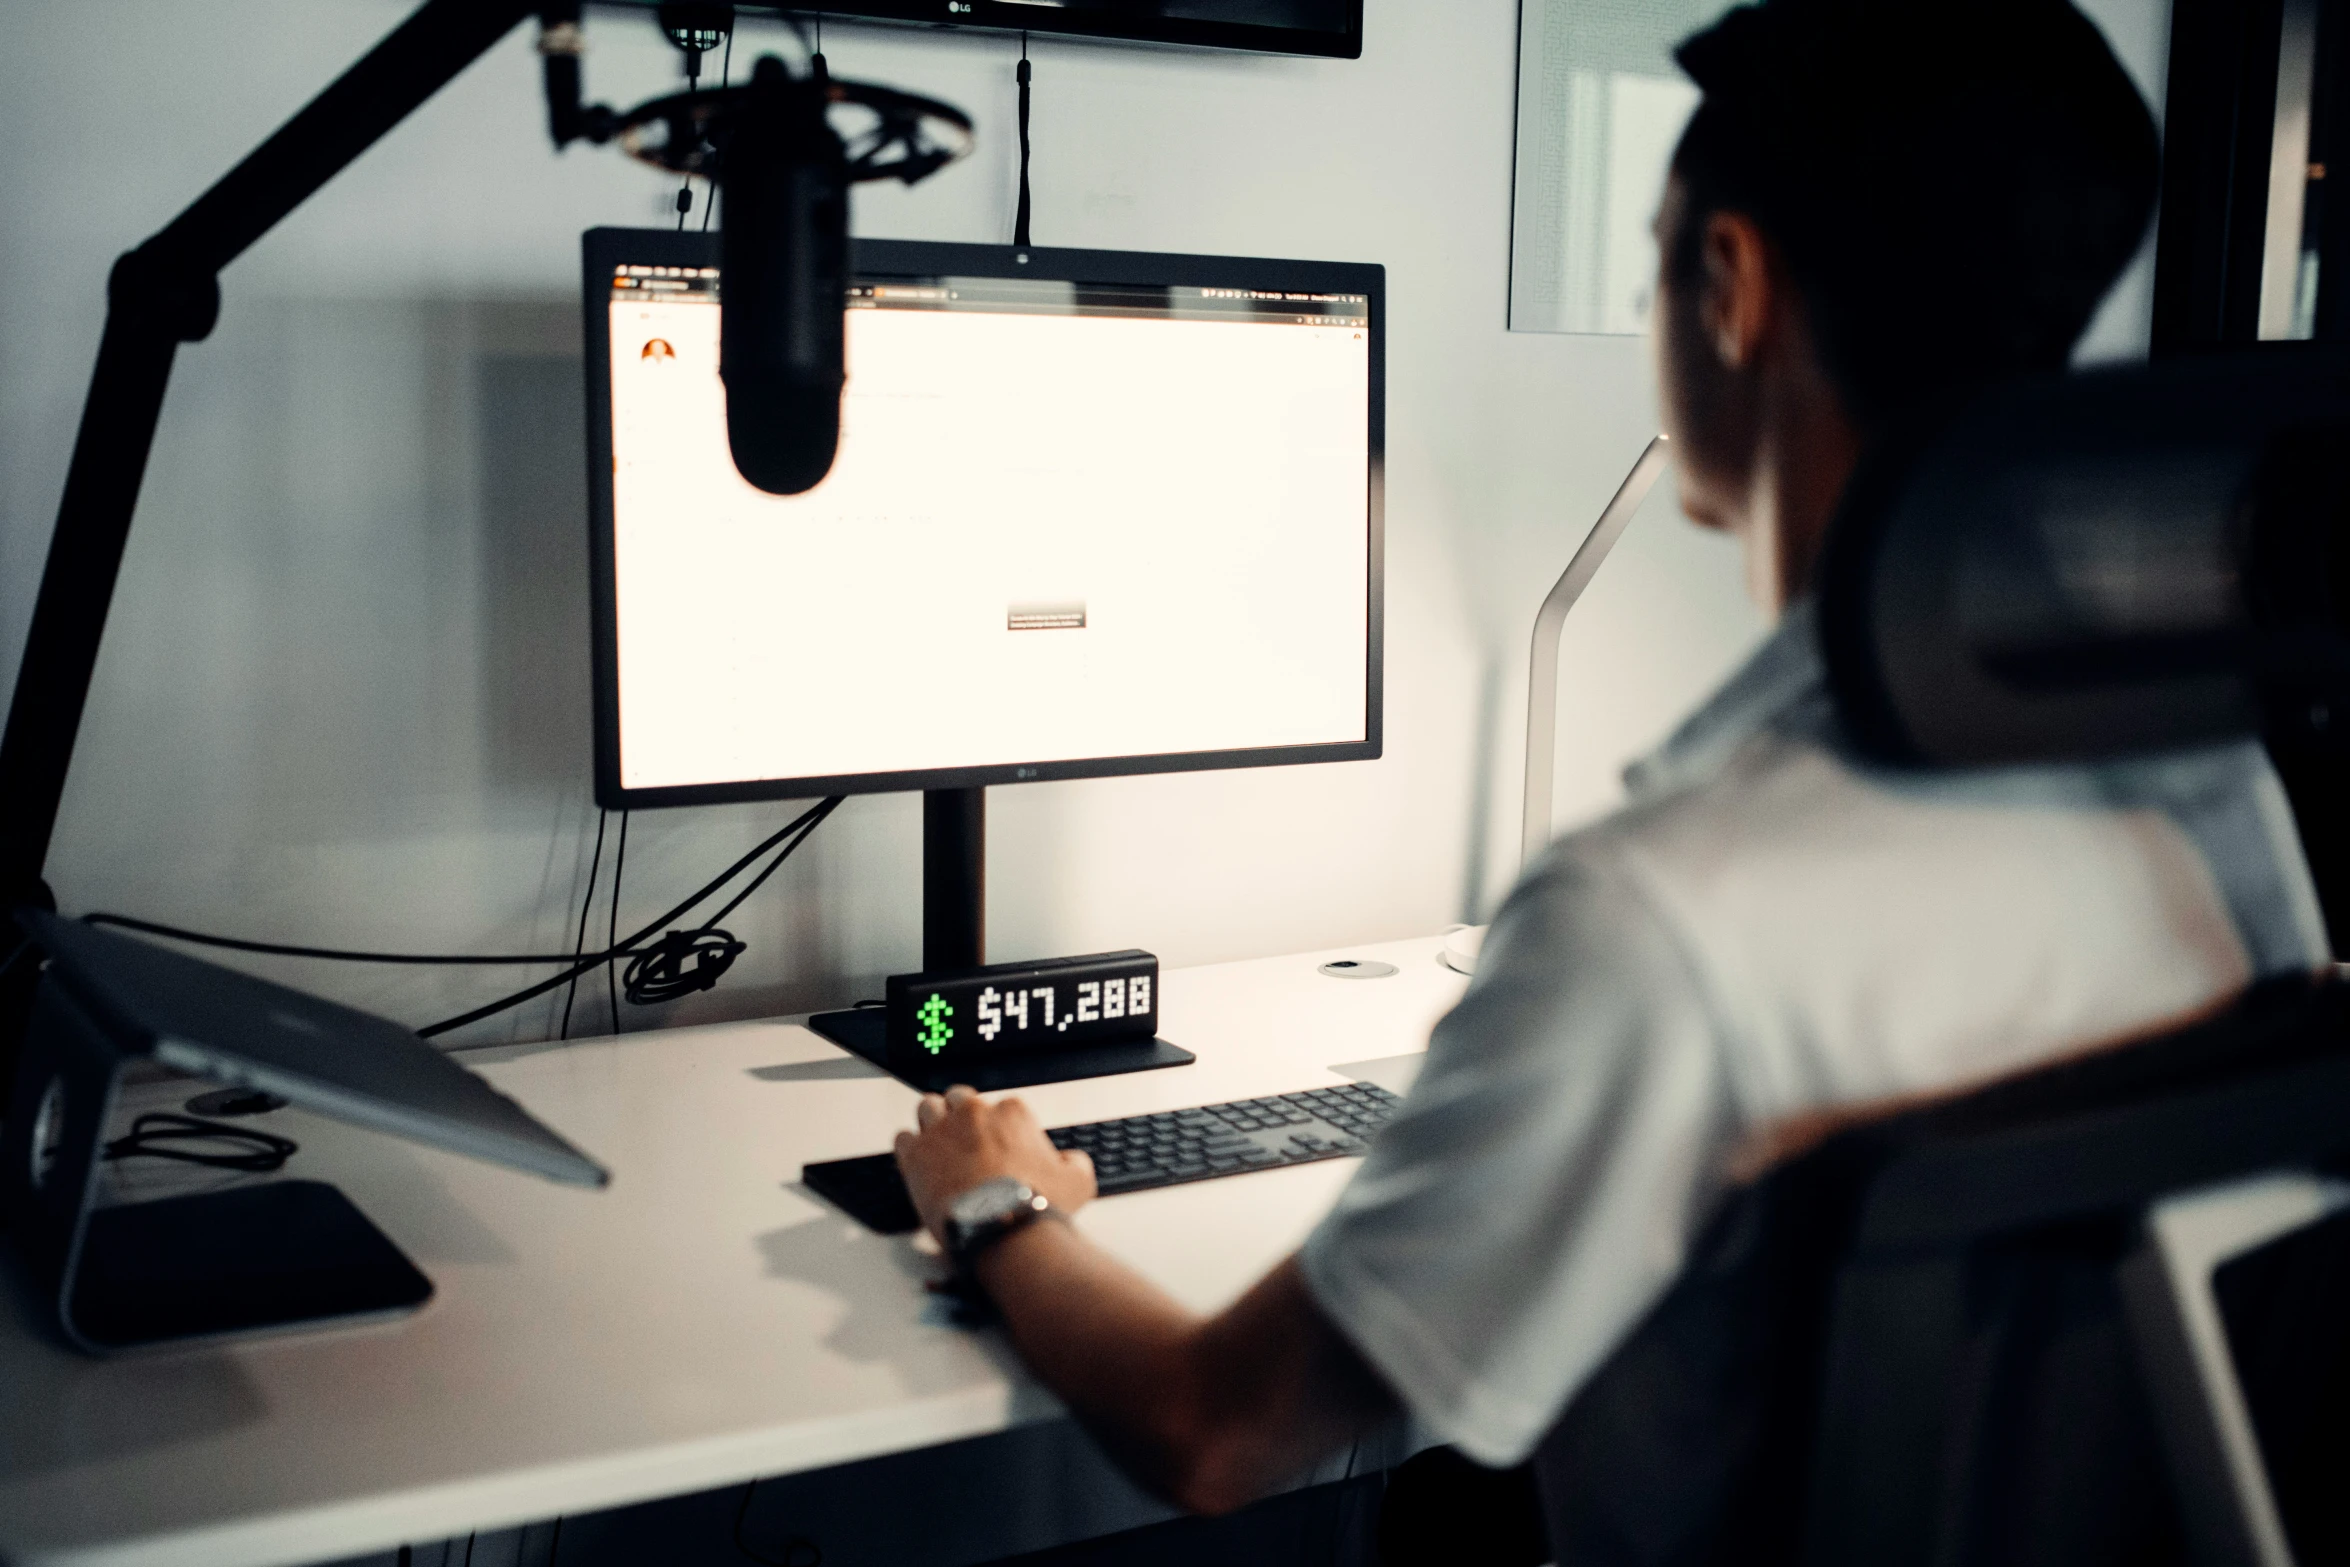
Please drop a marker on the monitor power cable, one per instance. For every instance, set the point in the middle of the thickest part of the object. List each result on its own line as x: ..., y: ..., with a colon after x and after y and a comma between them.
x: 664, y: 964
x: 586, y: 902
x: 612, y: 923
x: 1021, y: 215
x: 682, y: 962
x: 790, y: 837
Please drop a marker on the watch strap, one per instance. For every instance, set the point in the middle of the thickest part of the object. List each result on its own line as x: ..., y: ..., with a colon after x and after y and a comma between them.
x: 966, y: 1243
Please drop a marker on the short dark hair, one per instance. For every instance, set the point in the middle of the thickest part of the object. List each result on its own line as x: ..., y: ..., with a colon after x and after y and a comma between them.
x: 1954, y: 186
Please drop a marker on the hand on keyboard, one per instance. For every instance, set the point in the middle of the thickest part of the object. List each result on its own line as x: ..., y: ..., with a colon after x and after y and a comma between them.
x: 964, y: 1140
x: 1129, y: 1155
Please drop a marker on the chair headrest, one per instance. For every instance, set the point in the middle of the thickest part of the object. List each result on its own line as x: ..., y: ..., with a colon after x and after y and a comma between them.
x: 2100, y: 565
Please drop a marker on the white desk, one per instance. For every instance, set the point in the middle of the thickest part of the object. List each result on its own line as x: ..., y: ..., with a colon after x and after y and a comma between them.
x: 701, y: 1322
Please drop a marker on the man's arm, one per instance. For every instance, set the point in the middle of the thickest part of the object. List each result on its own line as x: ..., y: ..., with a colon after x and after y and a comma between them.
x: 1210, y: 1413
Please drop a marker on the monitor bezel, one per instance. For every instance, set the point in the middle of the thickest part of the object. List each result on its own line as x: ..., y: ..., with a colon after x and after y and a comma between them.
x: 1009, y: 16
x: 603, y: 249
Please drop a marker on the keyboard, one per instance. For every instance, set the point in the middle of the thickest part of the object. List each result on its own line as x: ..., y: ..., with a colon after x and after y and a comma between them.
x: 1143, y: 1151
x: 1140, y: 1152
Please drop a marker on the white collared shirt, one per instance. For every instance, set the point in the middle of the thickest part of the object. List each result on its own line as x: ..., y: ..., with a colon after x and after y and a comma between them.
x: 1771, y: 927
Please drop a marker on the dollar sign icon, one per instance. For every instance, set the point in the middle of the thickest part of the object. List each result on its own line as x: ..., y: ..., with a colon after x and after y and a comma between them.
x: 933, y: 1014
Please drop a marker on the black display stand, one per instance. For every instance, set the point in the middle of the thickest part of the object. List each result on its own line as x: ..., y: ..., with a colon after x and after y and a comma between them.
x: 248, y: 1259
x: 954, y: 879
x: 864, y: 1032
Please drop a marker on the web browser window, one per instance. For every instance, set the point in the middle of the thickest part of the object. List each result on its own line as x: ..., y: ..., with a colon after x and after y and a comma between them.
x: 1066, y: 522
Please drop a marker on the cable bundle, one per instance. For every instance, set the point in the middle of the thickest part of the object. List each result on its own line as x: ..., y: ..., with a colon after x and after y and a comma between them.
x: 160, y: 1134
x: 676, y: 964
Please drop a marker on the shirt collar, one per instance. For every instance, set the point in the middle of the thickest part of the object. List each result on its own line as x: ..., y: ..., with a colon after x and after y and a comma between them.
x: 1783, y: 672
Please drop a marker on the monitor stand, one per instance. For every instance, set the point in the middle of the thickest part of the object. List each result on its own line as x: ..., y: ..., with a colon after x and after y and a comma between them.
x: 954, y: 879
x: 954, y: 936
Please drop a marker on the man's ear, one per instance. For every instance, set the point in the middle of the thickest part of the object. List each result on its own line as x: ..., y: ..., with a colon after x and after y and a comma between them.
x: 1740, y: 288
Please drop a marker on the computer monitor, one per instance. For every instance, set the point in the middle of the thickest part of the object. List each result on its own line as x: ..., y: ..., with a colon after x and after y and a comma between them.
x: 1093, y: 513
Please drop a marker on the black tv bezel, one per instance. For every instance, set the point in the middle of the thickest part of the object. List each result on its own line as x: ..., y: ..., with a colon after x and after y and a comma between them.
x: 1006, y: 16
x: 603, y: 249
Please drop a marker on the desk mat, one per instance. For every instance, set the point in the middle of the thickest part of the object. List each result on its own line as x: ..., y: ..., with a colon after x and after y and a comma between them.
x: 868, y: 1189
x: 863, y: 1032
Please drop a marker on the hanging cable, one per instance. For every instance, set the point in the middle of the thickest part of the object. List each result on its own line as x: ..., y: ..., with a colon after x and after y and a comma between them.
x: 612, y: 925
x: 574, y: 964
x: 693, y: 82
x: 629, y: 945
x: 696, y: 27
x: 586, y: 902
x: 682, y: 962
x: 1021, y: 215
x: 278, y: 949
x: 725, y: 80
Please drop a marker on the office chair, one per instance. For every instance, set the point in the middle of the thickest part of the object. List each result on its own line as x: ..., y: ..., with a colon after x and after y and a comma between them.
x: 2099, y: 1313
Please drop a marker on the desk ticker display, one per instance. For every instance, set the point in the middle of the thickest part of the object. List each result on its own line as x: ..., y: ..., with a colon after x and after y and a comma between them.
x: 1020, y: 1008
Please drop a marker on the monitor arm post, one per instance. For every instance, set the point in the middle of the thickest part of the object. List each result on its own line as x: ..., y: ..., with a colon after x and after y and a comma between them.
x: 160, y: 295
x: 954, y: 879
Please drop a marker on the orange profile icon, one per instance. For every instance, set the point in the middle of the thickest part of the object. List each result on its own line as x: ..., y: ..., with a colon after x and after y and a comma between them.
x: 658, y: 348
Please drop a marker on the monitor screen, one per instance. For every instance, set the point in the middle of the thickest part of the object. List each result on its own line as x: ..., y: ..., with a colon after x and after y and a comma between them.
x: 1092, y: 513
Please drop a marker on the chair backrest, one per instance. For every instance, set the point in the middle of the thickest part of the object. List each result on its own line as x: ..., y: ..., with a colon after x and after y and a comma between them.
x: 2097, y: 565
x: 1997, y: 1330
x: 1932, y: 1339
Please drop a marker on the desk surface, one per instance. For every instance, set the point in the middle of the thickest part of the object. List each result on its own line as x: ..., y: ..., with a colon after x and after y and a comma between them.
x: 702, y: 1321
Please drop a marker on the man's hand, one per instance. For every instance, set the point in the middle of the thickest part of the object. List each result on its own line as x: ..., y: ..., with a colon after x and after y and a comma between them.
x: 964, y: 1141
x: 1209, y: 1413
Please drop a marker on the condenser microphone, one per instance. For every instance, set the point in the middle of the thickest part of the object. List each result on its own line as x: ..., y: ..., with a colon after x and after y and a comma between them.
x: 783, y: 280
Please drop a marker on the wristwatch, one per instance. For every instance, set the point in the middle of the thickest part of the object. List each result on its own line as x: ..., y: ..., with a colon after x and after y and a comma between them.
x: 987, y: 1213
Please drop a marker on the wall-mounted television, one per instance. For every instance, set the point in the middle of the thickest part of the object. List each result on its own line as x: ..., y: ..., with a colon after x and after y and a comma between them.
x: 1316, y: 27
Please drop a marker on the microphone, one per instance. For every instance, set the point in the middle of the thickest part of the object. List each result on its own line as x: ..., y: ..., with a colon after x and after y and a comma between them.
x: 783, y: 281
x: 783, y: 177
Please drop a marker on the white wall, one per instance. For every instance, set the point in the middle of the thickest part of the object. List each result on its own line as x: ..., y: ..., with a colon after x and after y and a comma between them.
x: 343, y: 697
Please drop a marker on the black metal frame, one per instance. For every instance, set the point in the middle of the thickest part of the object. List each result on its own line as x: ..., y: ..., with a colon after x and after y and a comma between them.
x: 1896, y: 1343
x: 1840, y: 1374
x: 603, y: 249
x: 1003, y: 17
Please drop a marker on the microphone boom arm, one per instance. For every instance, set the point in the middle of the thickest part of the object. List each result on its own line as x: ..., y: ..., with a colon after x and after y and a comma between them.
x: 166, y: 292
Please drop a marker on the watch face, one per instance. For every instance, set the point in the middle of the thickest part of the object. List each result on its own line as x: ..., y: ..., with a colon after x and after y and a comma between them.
x: 990, y: 1200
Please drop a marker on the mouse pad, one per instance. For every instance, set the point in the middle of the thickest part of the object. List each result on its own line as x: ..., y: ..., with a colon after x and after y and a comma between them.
x: 869, y: 1190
